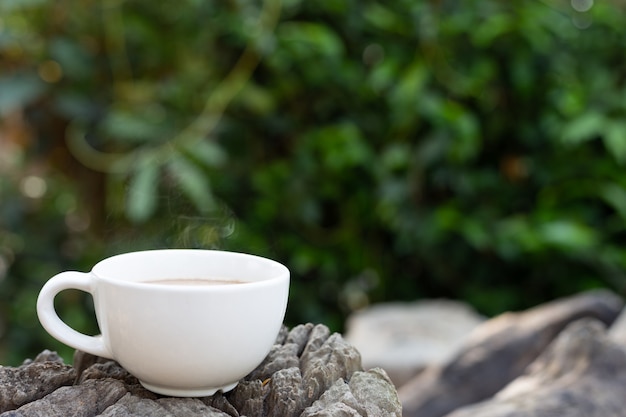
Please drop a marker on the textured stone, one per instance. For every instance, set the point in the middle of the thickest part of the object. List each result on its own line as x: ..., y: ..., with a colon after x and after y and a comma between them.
x: 581, y: 374
x: 132, y: 406
x: 33, y: 380
x: 617, y: 331
x: 366, y: 394
x: 296, y: 373
x: 45, y: 356
x: 184, y: 407
x: 498, y: 351
x: 403, y: 338
x: 280, y: 357
x: 248, y: 398
x: 304, y: 363
x: 287, y: 394
x: 85, y: 400
x: 219, y: 402
x: 324, y: 360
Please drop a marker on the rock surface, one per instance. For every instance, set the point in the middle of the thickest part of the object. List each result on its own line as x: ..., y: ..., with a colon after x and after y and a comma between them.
x: 617, y: 332
x: 499, y: 351
x: 308, y: 372
x: 403, y: 338
x: 33, y: 380
x: 581, y: 374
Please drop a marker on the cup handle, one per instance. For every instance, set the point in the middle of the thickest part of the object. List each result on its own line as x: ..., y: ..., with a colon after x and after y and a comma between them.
x: 53, y: 324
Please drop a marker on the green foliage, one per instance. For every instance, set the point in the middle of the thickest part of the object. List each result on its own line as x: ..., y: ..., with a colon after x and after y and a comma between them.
x: 39, y: 237
x: 382, y: 150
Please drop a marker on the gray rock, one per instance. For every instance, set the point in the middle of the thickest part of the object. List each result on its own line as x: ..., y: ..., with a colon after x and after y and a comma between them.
x: 111, y: 369
x: 617, y: 331
x: 288, y: 395
x: 184, y: 407
x: 33, y: 380
x: 372, y: 390
x: 132, y: 406
x: 498, y: 351
x: 367, y: 394
x: 300, y: 335
x: 305, y: 363
x: 83, y: 361
x: 86, y: 400
x: 219, y: 402
x: 248, y: 398
x: 280, y: 357
x: 581, y: 374
x: 295, y: 374
x: 403, y: 338
x: 45, y: 356
x: 326, y: 359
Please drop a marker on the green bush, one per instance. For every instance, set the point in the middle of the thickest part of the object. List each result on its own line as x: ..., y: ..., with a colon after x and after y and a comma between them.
x: 382, y: 150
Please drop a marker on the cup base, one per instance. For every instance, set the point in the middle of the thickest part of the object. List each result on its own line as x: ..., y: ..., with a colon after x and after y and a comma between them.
x: 181, y: 392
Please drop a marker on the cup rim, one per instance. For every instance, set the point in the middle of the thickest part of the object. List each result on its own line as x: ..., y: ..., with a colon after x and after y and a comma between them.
x: 282, y: 272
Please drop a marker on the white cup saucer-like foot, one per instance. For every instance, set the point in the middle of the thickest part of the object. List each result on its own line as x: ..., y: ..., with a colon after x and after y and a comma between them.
x: 181, y: 392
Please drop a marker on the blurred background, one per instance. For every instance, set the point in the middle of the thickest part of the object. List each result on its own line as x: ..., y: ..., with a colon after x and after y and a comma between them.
x: 383, y: 150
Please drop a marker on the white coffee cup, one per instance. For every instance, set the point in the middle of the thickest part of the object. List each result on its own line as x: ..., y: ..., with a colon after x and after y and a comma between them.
x: 183, y: 339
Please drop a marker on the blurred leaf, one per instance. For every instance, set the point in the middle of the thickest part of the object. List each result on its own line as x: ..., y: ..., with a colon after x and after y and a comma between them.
x: 615, y: 140
x: 476, y: 234
x: 584, y: 128
x: 395, y: 157
x: 10, y: 5
x: 514, y: 236
x: 614, y: 195
x: 448, y: 217
x: 407, y: 95
x: 74, y: 105
x: 143, y: 124
x: 432, y: 149
x: 193, y: 182
x: 385, y: 18
x: 383, y: 75
x: 571, y: 101
x: 409, y: 85
x: 466, y: 142
x: 207, y: 152
x: 492, y: 28
x: 315, y: 35
x: 341, y: 146
x: 568, y: 235
x: 19, y: 90
x: 257, y: 99
x: 73, y: 58
x: 141, y: 201
x: 338, y: 7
